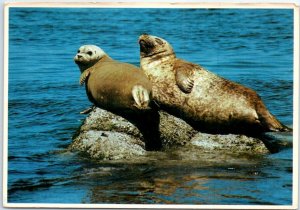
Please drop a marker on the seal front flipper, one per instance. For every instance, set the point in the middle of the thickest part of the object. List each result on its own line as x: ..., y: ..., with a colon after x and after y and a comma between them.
x: 84, y: 76
x: 141, y: 97
x: 184, y: 75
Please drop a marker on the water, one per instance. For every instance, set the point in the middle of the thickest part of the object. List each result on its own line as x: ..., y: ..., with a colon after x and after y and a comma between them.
x: 250, y: 46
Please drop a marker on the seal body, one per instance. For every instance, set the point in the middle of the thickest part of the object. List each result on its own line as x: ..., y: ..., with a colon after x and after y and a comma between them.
x: 208, y: 102
x: 121, y: 88
x: 111, y: 83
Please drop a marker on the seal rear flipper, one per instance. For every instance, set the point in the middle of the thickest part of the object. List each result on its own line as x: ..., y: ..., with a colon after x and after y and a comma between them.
x: 269, y: 121
x: 277, y: 126
x: 184, y: 75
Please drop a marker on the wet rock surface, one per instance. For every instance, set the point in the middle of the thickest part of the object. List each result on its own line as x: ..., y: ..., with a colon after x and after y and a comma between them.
x: 106, y: 136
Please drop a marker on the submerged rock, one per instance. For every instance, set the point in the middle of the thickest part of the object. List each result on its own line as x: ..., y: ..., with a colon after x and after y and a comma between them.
x: 106, y: 136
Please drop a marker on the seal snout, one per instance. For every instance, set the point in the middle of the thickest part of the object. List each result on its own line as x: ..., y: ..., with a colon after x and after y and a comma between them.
x: 146, y: 44
x: 145, y: 40
x: 142, y: 42
x: 78, y: 58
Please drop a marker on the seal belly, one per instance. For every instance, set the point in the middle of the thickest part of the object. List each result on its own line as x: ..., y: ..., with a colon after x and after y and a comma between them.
x: 212, y: 108
x: 111, y: 86
x: 208, y: 107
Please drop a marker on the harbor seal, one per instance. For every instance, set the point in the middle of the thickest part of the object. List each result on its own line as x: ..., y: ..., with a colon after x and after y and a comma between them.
x: 208, y: 102
x: 121, y: 88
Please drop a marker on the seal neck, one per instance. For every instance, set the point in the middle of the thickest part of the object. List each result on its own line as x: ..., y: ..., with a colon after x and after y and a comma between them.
x: 103, y: 59
x: 85, y: 73
x: 158, y: 59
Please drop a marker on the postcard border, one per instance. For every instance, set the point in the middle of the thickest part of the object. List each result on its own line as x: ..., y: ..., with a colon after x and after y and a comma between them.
x: 199, y: 5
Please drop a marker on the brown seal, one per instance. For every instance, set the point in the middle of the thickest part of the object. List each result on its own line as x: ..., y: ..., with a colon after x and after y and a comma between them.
x: 118, y: 87
x: 208, y: 102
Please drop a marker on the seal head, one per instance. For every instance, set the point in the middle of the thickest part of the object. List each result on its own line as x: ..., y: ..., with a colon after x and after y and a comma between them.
x: 87, y: 56
x: 152, y: 45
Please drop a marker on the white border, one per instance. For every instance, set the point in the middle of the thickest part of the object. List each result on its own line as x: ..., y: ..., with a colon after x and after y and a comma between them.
x: 163, y: 4
x: 5, y: 106
x: 149, y: 206
x: 166, y: 4
x: 296, y: 107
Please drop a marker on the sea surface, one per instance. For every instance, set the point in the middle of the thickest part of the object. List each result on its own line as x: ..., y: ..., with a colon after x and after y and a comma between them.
x: 253, y: 47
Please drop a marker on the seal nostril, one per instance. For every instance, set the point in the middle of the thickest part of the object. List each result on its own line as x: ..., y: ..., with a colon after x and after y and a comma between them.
x: 79, y: 56
x: 142, y: 42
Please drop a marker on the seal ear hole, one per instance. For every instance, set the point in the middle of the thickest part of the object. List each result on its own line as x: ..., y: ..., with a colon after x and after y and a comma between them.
x: 90, y: 53
x: 159, y: 41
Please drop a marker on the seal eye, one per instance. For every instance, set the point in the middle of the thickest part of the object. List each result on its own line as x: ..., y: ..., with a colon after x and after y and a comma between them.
x: 90, y: 53
x: 78, y: 51
x: 158, y: 41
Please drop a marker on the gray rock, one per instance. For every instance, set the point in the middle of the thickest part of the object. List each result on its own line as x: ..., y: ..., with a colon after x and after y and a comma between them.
x: 106, y: 136
x: 108, y: 145
x: 230, y: 142
x: 102, y: 120
x: 174, y: 132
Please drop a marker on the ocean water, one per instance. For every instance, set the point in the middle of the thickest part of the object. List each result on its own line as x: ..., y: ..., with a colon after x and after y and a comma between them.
x: 251, y: 46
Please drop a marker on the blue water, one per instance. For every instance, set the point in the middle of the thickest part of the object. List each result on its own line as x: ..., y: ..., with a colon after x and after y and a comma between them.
x: 251, y: 46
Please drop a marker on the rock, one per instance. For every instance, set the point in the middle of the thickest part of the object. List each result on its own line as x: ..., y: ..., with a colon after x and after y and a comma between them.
x: 174, y: 132
x: 106, y: 136
x: 108, y: 145
x: 230, y: 142
x: 102, y: 120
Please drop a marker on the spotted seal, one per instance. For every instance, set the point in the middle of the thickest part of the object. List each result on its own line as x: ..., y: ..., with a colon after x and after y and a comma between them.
x: 205, y: 100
